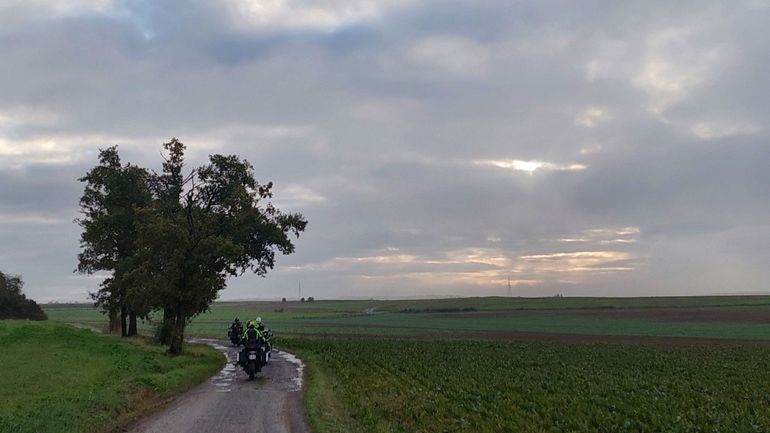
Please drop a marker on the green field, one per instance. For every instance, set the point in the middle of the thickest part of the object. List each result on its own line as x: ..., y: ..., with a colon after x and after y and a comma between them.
x: 472, y: 317
x: 55, y: 378
x: 518, y: 364
x: 458, y: 386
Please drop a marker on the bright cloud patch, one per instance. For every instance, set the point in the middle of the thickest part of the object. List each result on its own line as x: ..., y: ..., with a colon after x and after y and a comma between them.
x: 58, y: 8
x: 29, y: 218
x: 295, y: 196
x: 592, y: 116
x: 531, y: 166
x: 673, y: 67
x: 721, y: 129
x: 63, y: 149
x: 581, y: 261
x: 295, y: 14
x: 625, y: 235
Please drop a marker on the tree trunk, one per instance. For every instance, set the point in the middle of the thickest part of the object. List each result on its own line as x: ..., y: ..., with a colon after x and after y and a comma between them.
x: 114, y: 322
x: 123, y: 322
x: 132, y: 324
x: 166, y: 327
x: 177, y: 336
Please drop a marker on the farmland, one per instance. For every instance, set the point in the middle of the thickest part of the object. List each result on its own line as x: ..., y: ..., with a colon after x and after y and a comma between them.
x: 696, y: 364
x: 56, y: 378
x: 455, y: 386
x: 745, y: 317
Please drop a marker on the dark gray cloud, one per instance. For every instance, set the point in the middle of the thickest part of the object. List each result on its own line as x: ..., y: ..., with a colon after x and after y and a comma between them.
x: 437, y: 148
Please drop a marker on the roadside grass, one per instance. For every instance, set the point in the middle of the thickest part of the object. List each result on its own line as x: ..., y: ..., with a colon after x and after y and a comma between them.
x: 324, y: 412
x: 55, y: 378
x: 457, y: 386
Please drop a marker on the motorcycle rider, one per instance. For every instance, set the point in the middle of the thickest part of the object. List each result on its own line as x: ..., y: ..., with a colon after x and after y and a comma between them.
x: 235, y: 331
x: 236, y: 327
x: 260, y: 325
x: 252, y: 333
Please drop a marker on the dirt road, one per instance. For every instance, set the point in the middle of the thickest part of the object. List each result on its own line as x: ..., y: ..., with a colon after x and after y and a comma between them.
x: 230, y: 403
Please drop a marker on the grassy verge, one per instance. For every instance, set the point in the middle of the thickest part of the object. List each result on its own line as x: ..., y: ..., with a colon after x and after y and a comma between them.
x: 324, y: 410
x: 457, y: 386
x: 54, y: 378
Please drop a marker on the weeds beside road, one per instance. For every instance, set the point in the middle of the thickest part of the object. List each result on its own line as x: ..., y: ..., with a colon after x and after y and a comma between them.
x: 55, y: 378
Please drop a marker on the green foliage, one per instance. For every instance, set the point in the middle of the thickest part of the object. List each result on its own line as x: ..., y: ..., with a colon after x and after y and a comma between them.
x: 113, y: 195
x: 55, y: 378
x: 14, y: 304
x: 202, y: 229
x: 172, y: 239
x: 457, y: 386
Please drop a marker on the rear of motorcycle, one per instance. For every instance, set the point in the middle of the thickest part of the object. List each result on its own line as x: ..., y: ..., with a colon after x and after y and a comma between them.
x: 249, y: 358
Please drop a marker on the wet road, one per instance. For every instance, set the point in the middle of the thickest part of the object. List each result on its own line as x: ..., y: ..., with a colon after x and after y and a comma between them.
x: 230, y: 403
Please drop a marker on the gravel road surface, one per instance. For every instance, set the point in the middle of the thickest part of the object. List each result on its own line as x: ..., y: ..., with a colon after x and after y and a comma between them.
x: 230, y: 403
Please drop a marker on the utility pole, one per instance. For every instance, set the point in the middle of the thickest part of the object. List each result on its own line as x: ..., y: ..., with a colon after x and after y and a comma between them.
x: 299, y: 288
x: 510, y: 295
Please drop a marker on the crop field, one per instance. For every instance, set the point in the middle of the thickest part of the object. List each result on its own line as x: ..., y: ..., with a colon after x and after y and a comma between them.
x: 457, y: 386
x: 746, y: 317
x: 55, y: 378
x: 696, y: 364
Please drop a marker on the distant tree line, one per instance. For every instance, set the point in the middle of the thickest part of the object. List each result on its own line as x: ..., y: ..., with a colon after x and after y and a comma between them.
x: 13, y: 303
x: 170, y: 240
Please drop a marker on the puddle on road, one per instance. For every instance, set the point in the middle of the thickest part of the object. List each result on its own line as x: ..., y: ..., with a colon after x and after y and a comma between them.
x: 298, y: 366
x: 223, y: 380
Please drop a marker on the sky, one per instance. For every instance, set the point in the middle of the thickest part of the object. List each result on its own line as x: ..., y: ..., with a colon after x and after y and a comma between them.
x: 437, y: 148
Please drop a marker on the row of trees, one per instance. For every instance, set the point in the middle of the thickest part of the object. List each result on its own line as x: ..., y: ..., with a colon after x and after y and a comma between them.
x: 170, y: 240
x: 13, y: 303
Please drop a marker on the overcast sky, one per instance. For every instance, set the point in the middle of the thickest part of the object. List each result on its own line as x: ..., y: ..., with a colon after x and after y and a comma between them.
x: 437, y: 148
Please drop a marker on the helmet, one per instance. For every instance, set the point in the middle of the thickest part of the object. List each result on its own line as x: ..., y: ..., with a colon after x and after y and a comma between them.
x: 251, y: 324
x: 259, y: 320
x: 237, y: 320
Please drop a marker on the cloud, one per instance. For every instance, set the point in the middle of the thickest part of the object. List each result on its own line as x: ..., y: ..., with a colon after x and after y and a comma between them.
x: 581, y: 261
x: 436, y: 148
x: 530, y: 167
x: 722, y: 129
x: 27, y: 219
x: 592, y: 116
x: 55, y: 8
x: 672, y: 68
x: 324, y: 15
x: 460, y: 57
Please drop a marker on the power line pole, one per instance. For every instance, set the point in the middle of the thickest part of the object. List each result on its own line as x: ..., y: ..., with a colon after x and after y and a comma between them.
x: 510, y: 295
x: 299, y: 288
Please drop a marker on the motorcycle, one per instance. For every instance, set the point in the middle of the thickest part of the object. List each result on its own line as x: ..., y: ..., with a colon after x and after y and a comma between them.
x: 253, y: 357
x: 235, y: 333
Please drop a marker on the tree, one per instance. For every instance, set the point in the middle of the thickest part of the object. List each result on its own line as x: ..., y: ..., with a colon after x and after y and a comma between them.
x: 202, y: 228
x: 13, y: 303
x: 113, y: 195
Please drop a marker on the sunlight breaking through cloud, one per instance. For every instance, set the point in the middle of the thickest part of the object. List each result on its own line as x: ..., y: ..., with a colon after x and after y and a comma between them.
x: 581, y: 261
x: 531, y: 166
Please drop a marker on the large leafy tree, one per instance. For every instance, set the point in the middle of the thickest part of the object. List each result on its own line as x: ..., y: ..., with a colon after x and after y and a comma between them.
x: 214, y: 223
x: 113, y: 195
x: 171, y: 240
x: 13, y: 303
